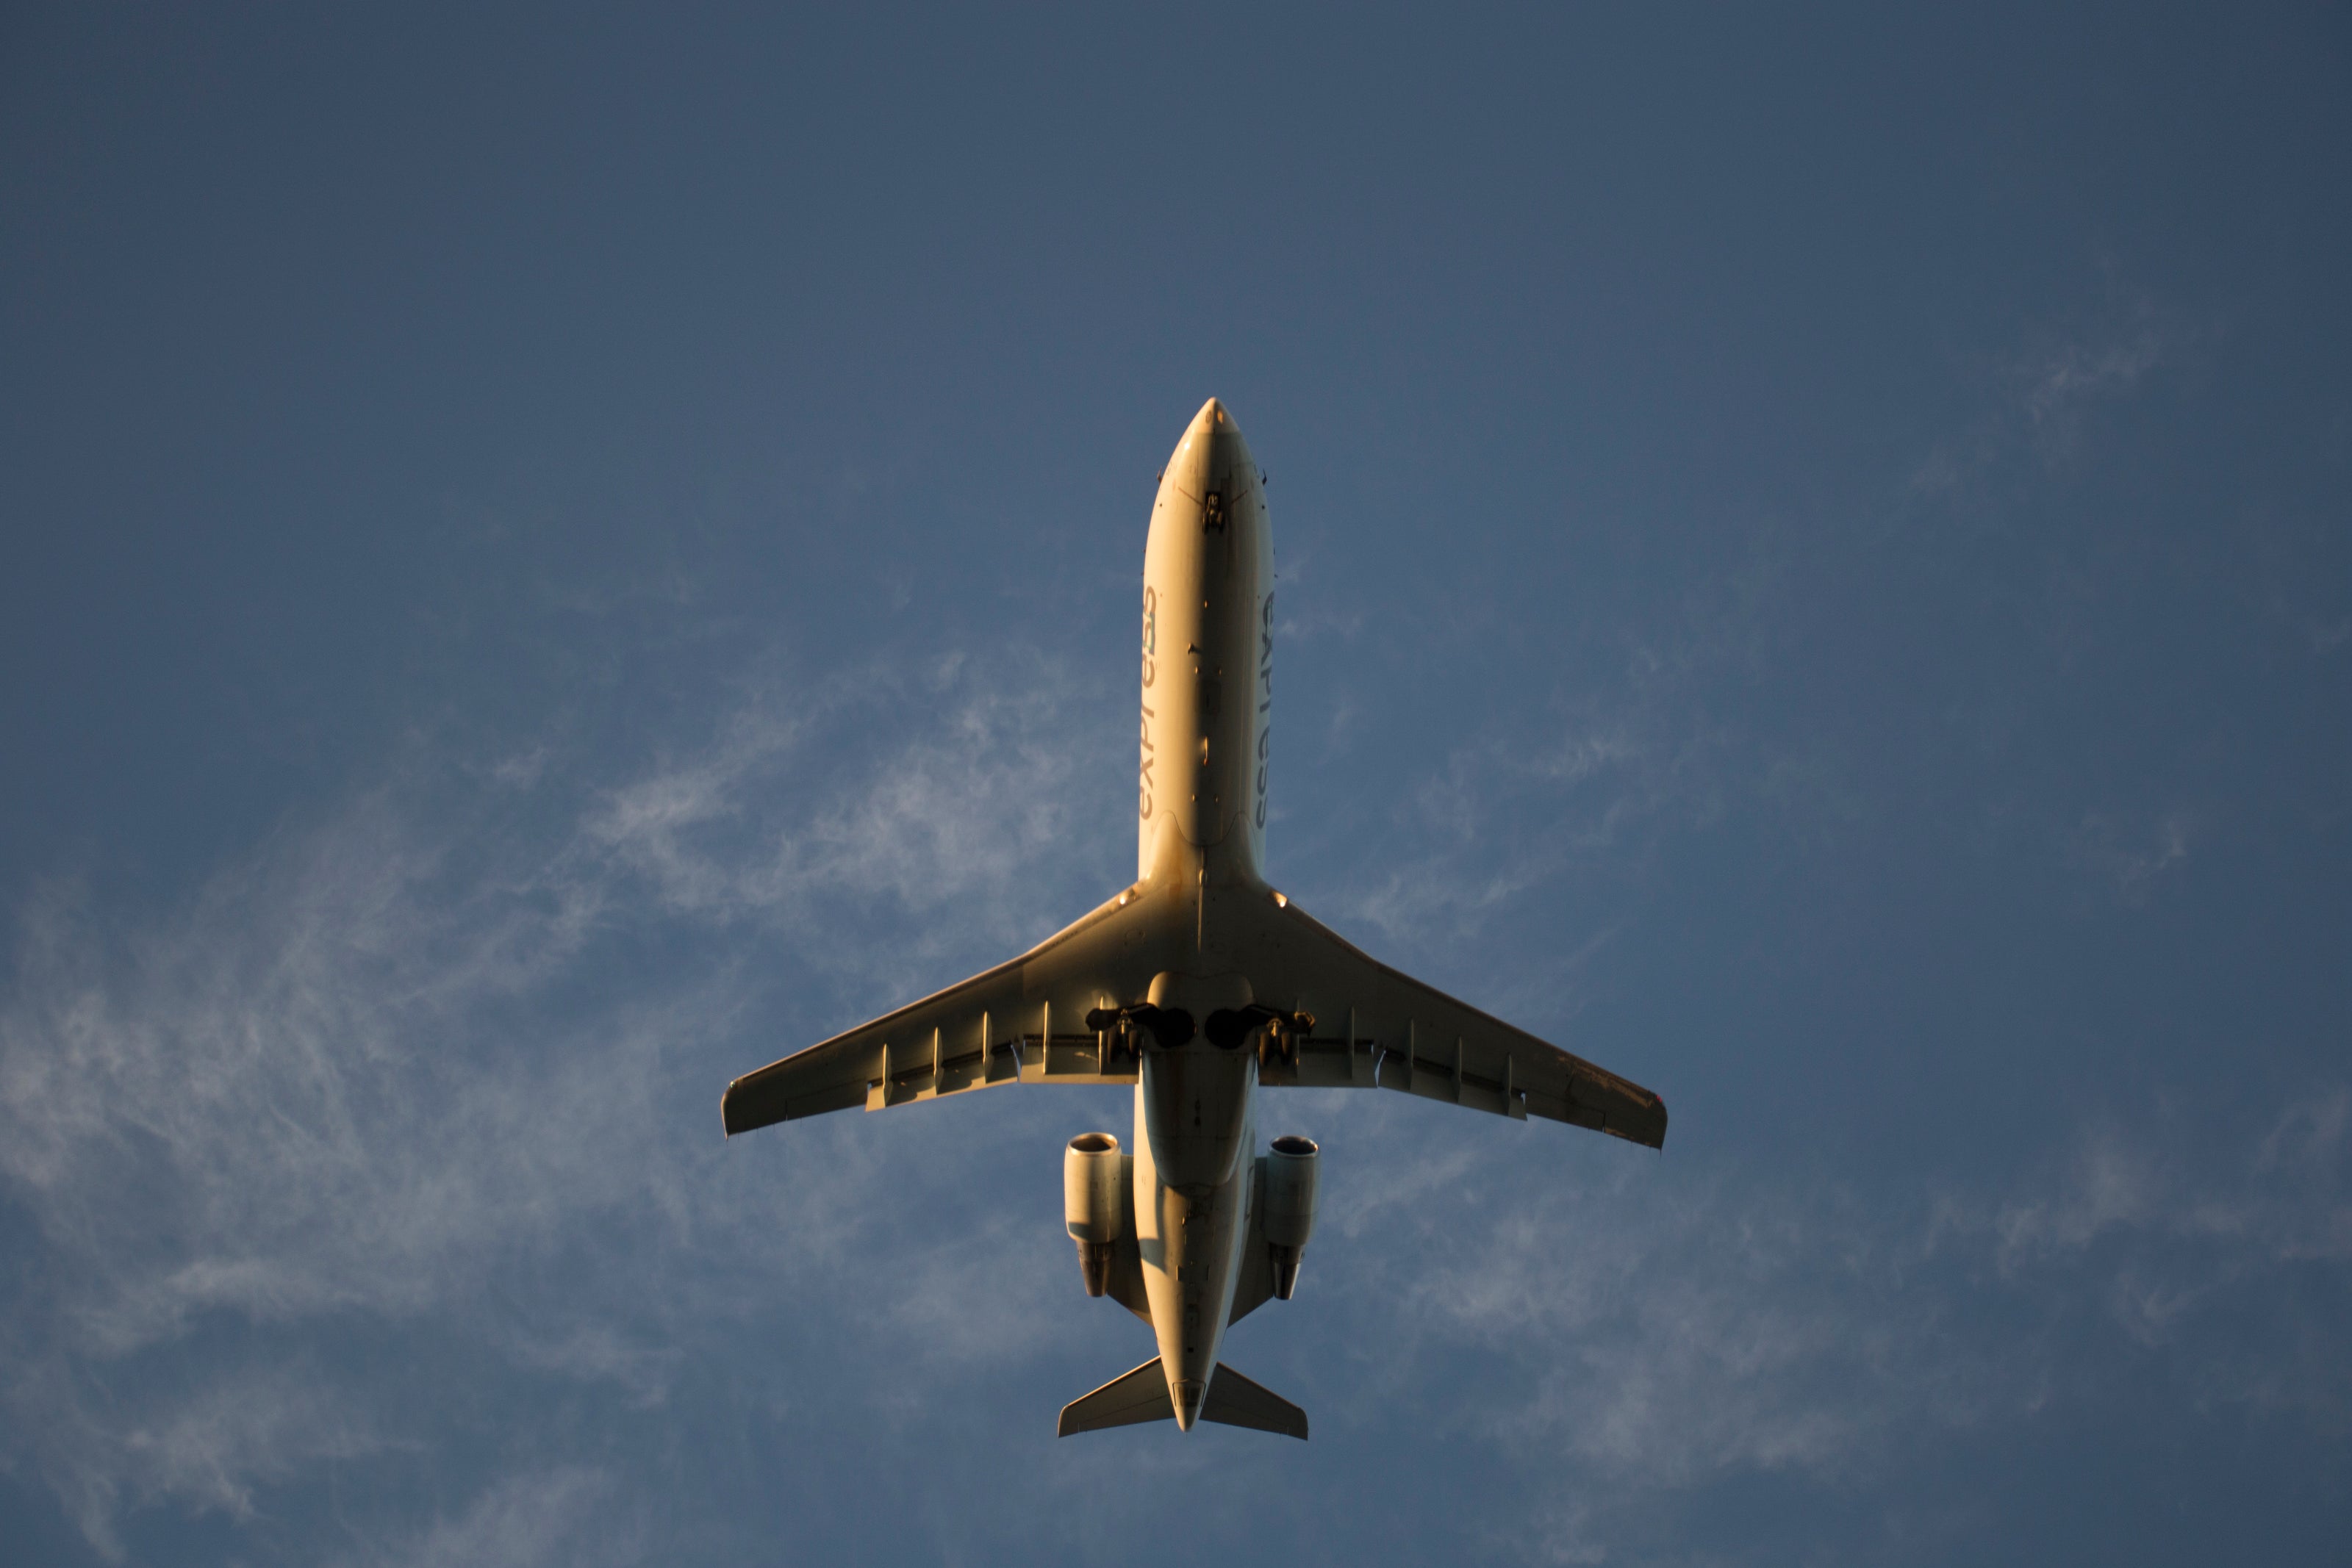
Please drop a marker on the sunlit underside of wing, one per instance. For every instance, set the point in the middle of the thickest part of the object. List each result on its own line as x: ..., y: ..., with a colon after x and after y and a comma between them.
x: 1373, y: 1025
x: 1021, y: 1022
x: 1024, y: 1022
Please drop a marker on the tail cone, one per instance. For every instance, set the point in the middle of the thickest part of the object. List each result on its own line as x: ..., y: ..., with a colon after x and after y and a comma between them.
x: 1188, y: 1395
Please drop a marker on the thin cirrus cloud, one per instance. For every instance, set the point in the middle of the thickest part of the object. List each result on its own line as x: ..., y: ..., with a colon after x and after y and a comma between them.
x: 2048, y: 392
x: 344, y: 1081
x: 404, y: 1076
x: 1652, y: 1338
x: 565, y: 1514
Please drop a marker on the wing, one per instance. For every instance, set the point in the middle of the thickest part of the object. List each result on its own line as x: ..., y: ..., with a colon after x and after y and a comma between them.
x: 1023, y: 1021
x: 1373, y: 1025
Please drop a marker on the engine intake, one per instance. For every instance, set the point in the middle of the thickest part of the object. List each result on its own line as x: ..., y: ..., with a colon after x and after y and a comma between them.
x: 1289, y: 1207
x: 1095, y: 1204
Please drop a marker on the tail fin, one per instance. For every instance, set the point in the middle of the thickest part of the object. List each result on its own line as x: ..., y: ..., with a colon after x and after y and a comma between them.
x: 1142, y: 1395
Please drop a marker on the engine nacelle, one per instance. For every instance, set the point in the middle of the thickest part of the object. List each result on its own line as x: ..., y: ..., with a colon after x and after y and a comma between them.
x: 1096, y: 1204
x: 1289, y: 1207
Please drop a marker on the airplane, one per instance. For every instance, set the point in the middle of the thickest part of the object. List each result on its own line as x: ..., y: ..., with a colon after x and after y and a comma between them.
x: 1200, y: 984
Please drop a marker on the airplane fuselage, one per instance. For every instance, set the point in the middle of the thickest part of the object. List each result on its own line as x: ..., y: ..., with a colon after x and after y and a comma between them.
x: 1207, y: 699
x: 1206, y: 737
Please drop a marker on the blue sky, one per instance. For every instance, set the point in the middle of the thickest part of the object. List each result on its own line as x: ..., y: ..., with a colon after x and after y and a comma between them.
x: 554, y: 557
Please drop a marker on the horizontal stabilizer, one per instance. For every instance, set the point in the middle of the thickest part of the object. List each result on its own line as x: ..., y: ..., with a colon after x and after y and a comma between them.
x: 1235, y: 1401
x: 1141, y: 1395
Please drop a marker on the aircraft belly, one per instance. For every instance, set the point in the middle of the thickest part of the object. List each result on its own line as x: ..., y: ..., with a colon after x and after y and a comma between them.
x: 1206, y: 701
x: 1189, y: 1240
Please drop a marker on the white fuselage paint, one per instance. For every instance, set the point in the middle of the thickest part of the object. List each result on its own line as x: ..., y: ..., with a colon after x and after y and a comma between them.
x: 1206, y: 747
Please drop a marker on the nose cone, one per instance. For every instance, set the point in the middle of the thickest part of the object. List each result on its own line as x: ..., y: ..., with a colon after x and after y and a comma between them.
x: 1214, y: 429
x: 1211, y: 454
x: 1188, y: 1398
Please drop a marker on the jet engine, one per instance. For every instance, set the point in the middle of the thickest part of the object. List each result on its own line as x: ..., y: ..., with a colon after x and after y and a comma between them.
x: 1289, y: 1207
x: 1095, y: 1204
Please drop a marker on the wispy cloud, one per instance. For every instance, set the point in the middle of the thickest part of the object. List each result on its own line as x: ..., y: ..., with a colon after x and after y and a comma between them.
x: 2047, y: 393
x: 2057, y: 384
x: 762, y: 825
x: 356, y: 1079
x: 411, y: 1077
x: 1531, y: 801
x: 1651, y: 1336
x: 569, y: 1514
x: 2131, y: 855
x: 207, y: 1442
